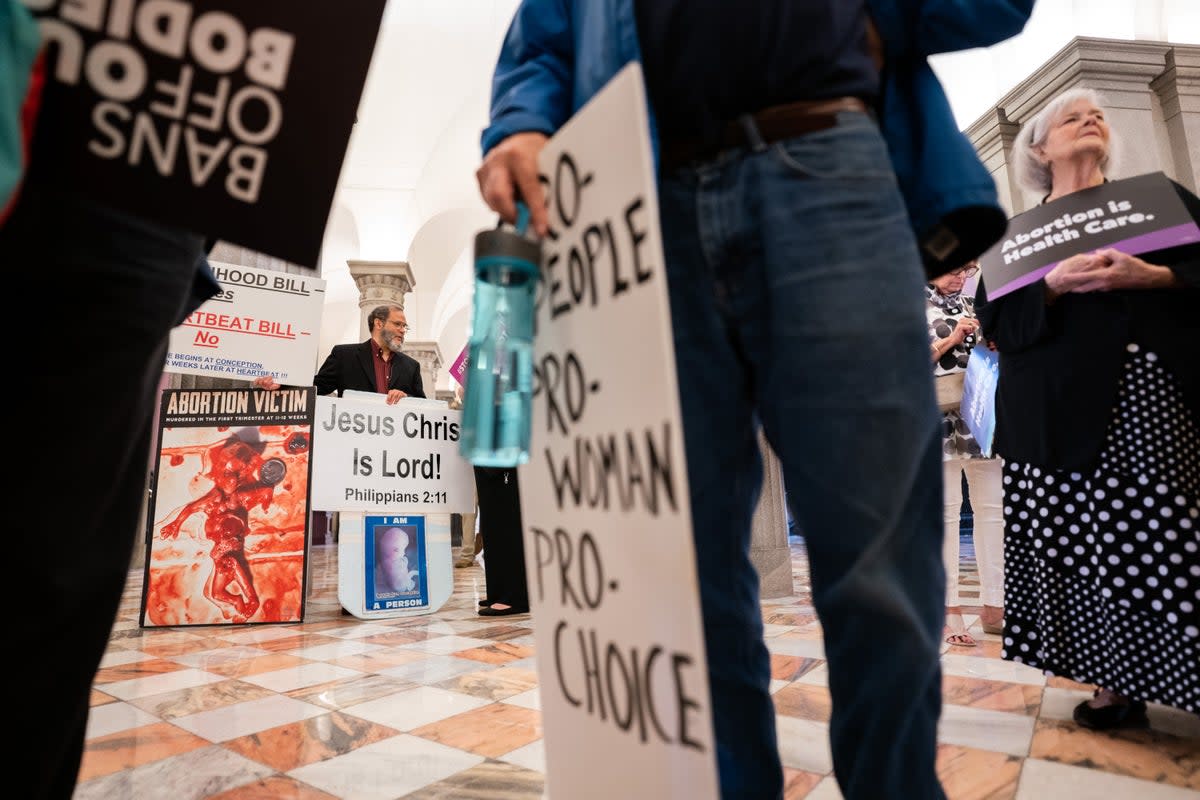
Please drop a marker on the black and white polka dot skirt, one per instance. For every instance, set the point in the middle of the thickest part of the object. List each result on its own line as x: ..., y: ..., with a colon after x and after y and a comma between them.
x: 1102, y: 571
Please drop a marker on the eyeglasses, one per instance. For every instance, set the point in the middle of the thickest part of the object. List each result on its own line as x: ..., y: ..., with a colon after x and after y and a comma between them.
x: 965, y: 272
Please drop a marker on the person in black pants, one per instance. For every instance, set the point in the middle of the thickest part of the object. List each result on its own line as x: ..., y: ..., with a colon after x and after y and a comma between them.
x: 130, y: 282
x: 500, y: 523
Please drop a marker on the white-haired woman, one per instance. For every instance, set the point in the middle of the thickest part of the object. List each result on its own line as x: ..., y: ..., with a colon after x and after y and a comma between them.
x: 1098, y: 421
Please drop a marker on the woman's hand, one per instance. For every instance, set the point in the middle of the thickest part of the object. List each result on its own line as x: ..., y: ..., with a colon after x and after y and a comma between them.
x: 1071, y: 273
x: 1103, y: 271
x: 965, y: 327
x: 1124, y: 271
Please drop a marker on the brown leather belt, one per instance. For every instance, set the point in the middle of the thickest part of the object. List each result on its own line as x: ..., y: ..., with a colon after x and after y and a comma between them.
x: 755, y: 131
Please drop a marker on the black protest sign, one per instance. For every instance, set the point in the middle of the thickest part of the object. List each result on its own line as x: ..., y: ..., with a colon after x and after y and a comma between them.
x: 230, y: 119
x: 1136, y: 215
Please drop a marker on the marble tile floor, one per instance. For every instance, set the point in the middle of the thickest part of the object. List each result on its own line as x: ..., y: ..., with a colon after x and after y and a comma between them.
x: 445, y: 706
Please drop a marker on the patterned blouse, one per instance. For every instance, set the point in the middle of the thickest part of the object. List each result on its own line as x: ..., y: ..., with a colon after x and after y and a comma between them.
x: 942, y: 313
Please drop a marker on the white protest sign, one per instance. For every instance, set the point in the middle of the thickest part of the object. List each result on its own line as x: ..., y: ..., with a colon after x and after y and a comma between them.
x: 262, y: 322
x: 371, y: 456
x: 604, y: 497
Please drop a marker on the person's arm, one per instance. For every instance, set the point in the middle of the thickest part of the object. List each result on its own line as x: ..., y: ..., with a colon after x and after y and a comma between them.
x: 171, y: 529
x: 531, y: 85
x: 531, y: 99
x: 1185, y: 261
x: 1187, y: 272
x: 328, y: 377
x: 418, y: 387
x: 946, y: 26
x: 1015, y: 322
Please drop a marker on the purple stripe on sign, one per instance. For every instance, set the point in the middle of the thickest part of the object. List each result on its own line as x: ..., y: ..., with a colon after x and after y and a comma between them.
x: 1187, y: 233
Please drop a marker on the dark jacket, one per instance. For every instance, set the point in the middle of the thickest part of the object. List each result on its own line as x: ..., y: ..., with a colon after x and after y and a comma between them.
x: 1060, y: 365
x: 350, y: 366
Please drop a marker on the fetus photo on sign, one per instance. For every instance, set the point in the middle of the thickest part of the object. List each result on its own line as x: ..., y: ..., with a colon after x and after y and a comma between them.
x: 395, y: 549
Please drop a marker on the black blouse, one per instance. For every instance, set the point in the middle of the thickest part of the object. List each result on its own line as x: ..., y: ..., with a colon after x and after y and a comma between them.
x: 1060, y: 364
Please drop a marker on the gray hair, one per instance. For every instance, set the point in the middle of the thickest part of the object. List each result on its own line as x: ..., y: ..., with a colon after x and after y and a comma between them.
x: 1032, y: 172
x: 381, y: 313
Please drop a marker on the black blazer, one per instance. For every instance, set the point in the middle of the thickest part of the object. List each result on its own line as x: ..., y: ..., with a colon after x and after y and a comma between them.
x: 350, y: 366
x: 1060, y: 365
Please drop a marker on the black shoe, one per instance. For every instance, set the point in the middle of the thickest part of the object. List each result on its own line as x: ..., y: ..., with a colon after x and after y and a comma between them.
x: 503, y: 612
x: 1124, y: 715
x: 484, y: 603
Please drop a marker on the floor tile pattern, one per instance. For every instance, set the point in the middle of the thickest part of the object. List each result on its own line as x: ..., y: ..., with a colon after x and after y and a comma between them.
x: 446, y: 706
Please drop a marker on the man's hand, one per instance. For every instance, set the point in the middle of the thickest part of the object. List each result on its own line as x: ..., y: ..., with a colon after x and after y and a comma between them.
x: 510, y: 172
x: 267, y: 382
x: 395, y: 396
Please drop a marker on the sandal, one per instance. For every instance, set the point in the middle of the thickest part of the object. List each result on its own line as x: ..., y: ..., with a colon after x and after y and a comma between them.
x: 961, y: 639
x: 954, y: 631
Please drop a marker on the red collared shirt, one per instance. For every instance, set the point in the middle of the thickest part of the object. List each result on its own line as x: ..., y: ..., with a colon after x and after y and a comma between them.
x: 383, y: 368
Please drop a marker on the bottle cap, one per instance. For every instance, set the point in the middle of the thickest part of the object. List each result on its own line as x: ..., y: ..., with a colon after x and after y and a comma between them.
x: 499, y: 243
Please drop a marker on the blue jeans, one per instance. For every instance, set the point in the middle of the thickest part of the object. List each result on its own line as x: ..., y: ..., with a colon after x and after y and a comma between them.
x: 796, y: 300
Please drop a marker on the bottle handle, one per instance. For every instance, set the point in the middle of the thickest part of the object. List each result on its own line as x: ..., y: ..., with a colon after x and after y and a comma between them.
x: 522, y: 219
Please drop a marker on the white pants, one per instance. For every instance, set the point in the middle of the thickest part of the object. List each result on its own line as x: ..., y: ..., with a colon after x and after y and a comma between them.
x: 987, y: 503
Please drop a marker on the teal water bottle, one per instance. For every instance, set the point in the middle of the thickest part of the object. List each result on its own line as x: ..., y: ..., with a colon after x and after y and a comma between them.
x: 497, y: 401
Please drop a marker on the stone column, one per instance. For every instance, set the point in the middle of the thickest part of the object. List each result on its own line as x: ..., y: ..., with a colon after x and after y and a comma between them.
x: 993, y: 136
x: 768, y: 534
x: 379, y: 282
x: 1178, y: 91
x: 430, y: 357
